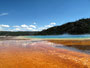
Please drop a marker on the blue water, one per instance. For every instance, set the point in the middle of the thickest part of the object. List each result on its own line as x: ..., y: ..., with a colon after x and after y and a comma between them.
x: 60, y: 36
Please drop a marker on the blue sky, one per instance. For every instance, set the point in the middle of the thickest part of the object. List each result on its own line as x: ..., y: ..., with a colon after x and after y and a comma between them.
x: 34, y: 15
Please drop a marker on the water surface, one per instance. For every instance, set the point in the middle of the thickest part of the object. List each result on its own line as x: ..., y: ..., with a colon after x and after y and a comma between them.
x: 59, y: 36
x: 77, y: 48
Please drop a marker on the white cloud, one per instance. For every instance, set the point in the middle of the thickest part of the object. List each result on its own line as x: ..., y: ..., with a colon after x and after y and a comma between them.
x: 32, y: 26
x: 50, y: 25
x: 17, y: 29
x: 53, y: 23
x: 24, y: 26
x: 29, y: 28
x: 6, y: 26
x: 23, y: 29
x: 16, y: 26
x: 3, y: 14
x: 47, y: 26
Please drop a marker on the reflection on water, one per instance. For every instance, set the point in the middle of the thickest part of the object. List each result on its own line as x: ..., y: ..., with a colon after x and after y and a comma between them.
x: 17, y: 43
x: 74, y: 45
x: 79, y: 48
x: 25, y: 44
x: 86, y: 47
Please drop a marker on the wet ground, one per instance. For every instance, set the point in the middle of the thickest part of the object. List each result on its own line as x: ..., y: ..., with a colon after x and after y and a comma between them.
x: 77, y: 48
x: 42, y: 54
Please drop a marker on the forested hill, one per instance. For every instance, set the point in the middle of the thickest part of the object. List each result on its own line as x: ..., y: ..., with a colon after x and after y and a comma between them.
x: 18, y: 33
x: 81, y: 26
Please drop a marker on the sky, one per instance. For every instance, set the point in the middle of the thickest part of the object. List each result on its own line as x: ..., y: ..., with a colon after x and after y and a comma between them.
x: 36, y: 15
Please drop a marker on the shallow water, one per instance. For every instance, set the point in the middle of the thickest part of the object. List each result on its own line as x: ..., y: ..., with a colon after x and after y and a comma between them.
x: 23, y: 43
x: 60, y: 36
x: 77, y: 48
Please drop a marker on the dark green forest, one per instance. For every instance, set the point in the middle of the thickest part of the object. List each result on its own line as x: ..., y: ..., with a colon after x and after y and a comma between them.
x: 18, y: 33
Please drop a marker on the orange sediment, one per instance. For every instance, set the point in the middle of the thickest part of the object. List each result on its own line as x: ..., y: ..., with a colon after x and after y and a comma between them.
x: 39, y: 55
x: 71, y: 42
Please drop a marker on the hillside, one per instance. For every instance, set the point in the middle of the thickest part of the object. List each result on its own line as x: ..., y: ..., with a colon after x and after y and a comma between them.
x: 18, y: 33
x: 81, y: 26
